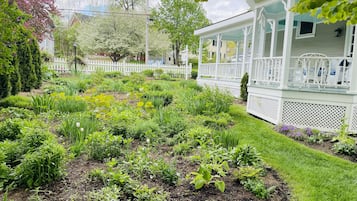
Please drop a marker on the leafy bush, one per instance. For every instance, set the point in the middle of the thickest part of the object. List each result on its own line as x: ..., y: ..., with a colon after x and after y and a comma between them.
x: 107, y: 193
x: 4, y: 171
x: 165, y: 76
x: 194, y: 74
x: 12, y: 152
x: 171, y: 121
x: 102, y: 145
x: 246, y: 155
x: 16, y: 101
x: 219, y: 121
x: 166, y: 172
x: 9, y: 129
x: 42, y: 166
x: 145, y: 129
x: 208, y: 102
x: 182, y: 148
x: 208, y: 173
x: 199, y: 135
x: 257, y: 187
x: 244, y: 87
x: 14, y: 112
x: 111, y: 86
x: 42, y: 103
x: 346, y: 144
x: 113, y: 74
x: 158, y: 98
x: 32, y: 138
x: 157, y: 73
x: 148, y: 73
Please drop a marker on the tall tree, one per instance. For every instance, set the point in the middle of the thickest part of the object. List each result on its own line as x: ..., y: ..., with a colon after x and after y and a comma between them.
x: 128, y: 4
x: 331, y: 11
x: 179, y: 19
x: 115, y: 35
x: 11, y: 20
x: 40, y: 12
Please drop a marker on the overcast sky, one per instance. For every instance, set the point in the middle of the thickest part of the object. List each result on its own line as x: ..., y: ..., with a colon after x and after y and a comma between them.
x: 217, y: 10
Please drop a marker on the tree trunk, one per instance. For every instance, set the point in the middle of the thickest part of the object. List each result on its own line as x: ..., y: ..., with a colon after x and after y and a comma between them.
x: 173, y: 54
x: 177, y: 52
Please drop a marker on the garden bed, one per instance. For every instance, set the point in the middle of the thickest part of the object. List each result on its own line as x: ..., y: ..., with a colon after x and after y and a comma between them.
x: 131, y: 138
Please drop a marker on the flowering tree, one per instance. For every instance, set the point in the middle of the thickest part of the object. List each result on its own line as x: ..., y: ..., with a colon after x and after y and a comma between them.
x: 40, y: 12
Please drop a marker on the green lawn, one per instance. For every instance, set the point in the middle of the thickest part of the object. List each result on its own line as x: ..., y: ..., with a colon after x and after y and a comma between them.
x: 310, y: 174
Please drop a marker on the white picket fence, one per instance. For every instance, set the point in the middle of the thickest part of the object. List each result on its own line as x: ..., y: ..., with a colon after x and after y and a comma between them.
x: 61, y: 65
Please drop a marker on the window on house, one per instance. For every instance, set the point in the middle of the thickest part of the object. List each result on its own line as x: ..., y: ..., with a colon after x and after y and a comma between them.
x: 305, y: 30
x: 214, y: 43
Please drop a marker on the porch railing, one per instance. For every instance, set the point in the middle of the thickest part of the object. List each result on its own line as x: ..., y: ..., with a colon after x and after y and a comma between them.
x: 62, y: 66
x: 320, y: 72
x: 229, y: 71
x: 304, y: 72
x: 266, y: 71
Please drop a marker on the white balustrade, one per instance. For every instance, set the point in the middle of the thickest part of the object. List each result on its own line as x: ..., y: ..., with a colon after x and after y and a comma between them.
x: 266, y: 71
x: 62, y: 66
x: 320, y: 72
x: 227, y: 71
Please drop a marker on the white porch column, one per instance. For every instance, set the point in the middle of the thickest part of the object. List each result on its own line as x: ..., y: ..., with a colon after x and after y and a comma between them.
x: 262, y: 21
x: 218, y: 54
x: 246, y: 32
x: 237, y: 56
x: 199, y: 57
x: 274, y: 36
x: 288, y: 34
x: 254, y: 38
x: 353, y: 76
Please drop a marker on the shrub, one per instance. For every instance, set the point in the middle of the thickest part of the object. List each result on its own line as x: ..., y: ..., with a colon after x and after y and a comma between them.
x: 165, y: 76
x: 102, y: 145
x: 246, y: 156
x: 208, y: 102
x: 12, y: 152
x: 9, y: 129
x: 166, y: 172
x: 143, y: 129
x: 14, y: 112
x: 42, y: 166
x: 107, y: 193
x: 219, y: 121
x: 182, y: 148
x: 113, y: 75
x: 257, y: 187
x: 171, y: 122
x: 32, y: 138
x: 111, y: 86
x: 16, y: 101
x: 148, y: 73
x: 199, y: 135
x: 157, y: 73
x: 42, y: 103
x: 158, y: 98
x: 194, y: 74
x: 347, y: 147
x: 4, y: 171
x: 244, y: 87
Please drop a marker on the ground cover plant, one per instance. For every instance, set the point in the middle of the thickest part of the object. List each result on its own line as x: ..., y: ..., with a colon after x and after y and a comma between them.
x: 155, y: 140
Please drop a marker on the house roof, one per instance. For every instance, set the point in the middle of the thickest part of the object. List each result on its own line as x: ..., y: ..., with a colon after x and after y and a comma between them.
x: 236, y: 22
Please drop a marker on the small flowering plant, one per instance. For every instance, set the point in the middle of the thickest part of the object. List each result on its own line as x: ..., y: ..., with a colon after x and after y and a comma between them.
x: 294, y: 132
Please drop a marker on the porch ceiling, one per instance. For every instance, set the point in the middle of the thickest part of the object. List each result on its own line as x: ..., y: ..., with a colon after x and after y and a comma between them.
x: 234, y: 35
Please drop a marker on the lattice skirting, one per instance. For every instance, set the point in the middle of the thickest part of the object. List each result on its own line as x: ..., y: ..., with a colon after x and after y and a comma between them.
x: 314, y: 115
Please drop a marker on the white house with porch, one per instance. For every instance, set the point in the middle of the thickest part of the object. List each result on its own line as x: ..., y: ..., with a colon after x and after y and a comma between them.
x: 301, y: 71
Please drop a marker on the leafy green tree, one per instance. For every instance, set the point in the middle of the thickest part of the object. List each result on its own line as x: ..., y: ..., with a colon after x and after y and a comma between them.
x: 64, y: 38
x: 15, y: 77
x: 11, y: 20
x: 179, y: 19
x: 331, y: 11
x: 115, y: 35
x: 36, y: 61
x: 27, y: 69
